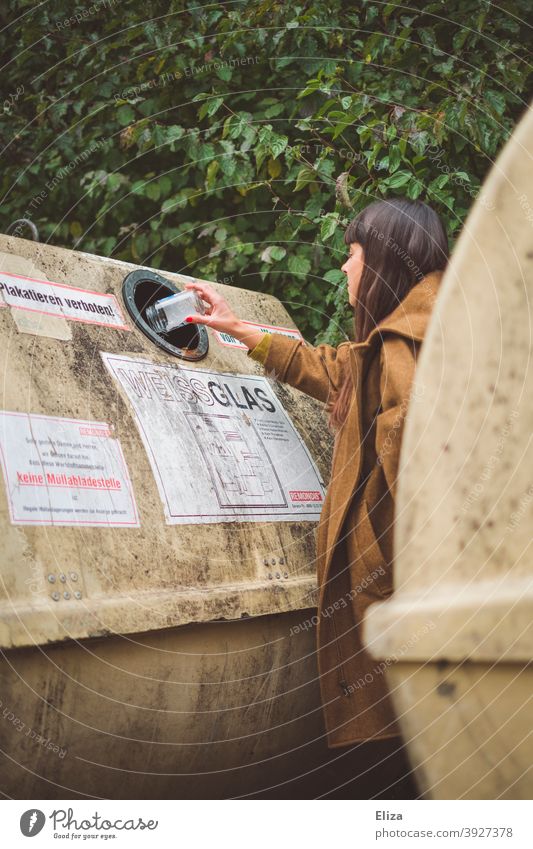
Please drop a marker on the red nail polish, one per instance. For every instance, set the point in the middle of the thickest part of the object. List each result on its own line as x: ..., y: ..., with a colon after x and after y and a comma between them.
x: 189, y: 318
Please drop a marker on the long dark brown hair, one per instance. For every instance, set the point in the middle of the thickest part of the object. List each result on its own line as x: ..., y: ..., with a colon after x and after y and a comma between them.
x: 402, y: 241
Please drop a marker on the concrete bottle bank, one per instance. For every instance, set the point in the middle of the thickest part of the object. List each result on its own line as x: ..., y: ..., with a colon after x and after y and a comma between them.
x: 158, y: 509
x: 456, y: 637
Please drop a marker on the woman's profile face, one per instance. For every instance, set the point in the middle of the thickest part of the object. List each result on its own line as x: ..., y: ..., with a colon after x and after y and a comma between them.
x: 353, y: 268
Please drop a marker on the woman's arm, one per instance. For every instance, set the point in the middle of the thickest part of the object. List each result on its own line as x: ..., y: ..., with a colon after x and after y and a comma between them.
x: 315, y: 371
x: 397, y: 369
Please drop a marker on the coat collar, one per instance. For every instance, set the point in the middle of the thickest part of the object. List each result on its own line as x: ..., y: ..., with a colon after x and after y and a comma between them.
x: 410, y: 318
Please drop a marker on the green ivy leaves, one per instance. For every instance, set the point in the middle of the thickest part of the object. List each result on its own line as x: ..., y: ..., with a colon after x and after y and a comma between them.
x: 235, y: 141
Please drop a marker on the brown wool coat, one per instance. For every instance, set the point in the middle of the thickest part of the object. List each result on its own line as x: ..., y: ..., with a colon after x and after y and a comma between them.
x: 355, y: 531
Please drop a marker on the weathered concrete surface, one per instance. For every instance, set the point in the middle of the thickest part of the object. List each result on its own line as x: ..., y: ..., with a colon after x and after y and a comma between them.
x: 195, y: 674
x: 201, y: 711
x: 463, y: 574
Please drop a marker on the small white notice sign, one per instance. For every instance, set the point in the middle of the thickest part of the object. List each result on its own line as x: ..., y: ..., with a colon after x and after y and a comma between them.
x: 221, y: 446
x: 64, y: 472
x: 69, y: 302
x: 232, y: 342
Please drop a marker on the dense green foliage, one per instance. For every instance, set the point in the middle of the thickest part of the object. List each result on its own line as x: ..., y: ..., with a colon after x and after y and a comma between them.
x: 233, y: 141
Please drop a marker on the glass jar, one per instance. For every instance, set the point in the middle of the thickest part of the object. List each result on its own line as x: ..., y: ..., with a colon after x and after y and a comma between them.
x: 171, y: 312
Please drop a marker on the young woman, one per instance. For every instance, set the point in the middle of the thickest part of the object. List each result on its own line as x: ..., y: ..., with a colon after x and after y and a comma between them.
x: 398, y: 250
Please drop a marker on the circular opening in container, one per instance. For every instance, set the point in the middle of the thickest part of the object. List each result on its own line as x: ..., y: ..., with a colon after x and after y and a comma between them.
x: 140, y: 290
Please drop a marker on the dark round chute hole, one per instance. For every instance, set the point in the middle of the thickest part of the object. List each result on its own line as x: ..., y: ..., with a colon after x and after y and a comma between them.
x: 143, y: 288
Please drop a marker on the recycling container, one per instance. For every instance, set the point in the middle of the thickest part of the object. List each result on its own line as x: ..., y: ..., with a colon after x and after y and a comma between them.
x: 158, y: 511
x: 455, y: 640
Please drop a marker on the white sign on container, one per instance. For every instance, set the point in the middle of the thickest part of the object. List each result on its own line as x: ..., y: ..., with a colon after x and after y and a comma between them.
x: 47, y: 298
x: 232, y: 342
x: 64, y: 472
x: 221, y: 446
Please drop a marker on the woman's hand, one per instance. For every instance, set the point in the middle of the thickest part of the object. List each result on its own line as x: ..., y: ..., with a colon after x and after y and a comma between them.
x: 218, y: 313
x: 220, y: 316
